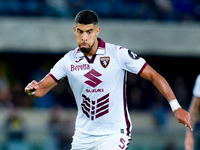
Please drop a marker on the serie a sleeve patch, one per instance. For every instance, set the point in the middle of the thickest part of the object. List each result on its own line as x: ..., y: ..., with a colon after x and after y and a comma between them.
x: 133, y: 55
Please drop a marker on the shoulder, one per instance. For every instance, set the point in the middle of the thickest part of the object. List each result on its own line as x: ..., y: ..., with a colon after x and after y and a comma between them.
x: 114, y: 49
x: 196, y: 89
x: 110, y: 46
x: 70, y: 54
x: 121, y: 52
x: 198, y: 79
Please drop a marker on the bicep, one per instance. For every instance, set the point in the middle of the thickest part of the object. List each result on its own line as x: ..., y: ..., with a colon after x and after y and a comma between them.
x: 149, y: 73
x: 194, y: 109
x: 195, y: 104
x: 162, y: 85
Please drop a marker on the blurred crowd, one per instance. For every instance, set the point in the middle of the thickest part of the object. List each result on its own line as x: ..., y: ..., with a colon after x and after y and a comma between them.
x: 166, y: 10
x: 12, y: 85
x: 16, y: 131
x: 141, y: 94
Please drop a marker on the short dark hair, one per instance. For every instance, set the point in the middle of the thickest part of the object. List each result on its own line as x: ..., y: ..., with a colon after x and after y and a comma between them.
x: 86, y: 17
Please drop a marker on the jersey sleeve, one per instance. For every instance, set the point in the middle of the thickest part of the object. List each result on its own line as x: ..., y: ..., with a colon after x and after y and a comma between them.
x: 130, y: 61
x: 196, y: 89
x: 58, y: 72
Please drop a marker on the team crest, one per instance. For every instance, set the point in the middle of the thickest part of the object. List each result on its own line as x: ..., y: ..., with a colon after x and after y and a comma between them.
x: 105, y: 61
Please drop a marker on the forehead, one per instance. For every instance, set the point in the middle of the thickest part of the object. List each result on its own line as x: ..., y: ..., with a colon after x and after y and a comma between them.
x: 86, y: 27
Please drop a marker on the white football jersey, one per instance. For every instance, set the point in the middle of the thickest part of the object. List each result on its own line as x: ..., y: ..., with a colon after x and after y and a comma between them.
x: 196, y: 89
x: 98, y: 84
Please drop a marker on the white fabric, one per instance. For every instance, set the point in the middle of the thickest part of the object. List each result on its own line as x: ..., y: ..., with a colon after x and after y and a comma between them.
x: 174, y: 104
x: 99, y: 87
x: 196, y: 89
x: 101, y: 142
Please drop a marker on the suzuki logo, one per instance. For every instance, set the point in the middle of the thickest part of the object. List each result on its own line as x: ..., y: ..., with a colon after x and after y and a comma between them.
x: 92, y: 75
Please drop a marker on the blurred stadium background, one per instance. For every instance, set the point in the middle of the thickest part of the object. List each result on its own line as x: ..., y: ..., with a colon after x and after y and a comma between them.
x: 34, y: 34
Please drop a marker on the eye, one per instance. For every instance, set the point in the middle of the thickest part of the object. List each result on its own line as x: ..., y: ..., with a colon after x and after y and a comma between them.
x: 89, y: 32
x: 79, y: 31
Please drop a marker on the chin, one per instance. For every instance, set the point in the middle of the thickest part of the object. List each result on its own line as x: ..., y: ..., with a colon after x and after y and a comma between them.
x: 85, y: 50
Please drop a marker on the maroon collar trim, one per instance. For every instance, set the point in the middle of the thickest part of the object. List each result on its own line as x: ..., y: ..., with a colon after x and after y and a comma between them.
x: 101, y: 49
x: 92, y: 59
x: 102, y: 44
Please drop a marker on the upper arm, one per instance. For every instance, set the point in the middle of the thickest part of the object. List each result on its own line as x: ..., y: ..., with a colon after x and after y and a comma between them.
x: 162, y: 85
x: 194, y: 109
x: 130, y: 61
x: 195, y: 104
x: 149, y: 73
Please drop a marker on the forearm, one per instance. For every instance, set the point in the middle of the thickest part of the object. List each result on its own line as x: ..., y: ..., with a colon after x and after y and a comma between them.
x: 160, y: 83
x: 163, y: 86
x: 194, y: 116
x: 40, y: 91
x: 36, y: 89
x: 44, y: 86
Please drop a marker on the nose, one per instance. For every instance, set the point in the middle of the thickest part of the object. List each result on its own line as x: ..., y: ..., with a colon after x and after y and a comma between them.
x: 84, y: 37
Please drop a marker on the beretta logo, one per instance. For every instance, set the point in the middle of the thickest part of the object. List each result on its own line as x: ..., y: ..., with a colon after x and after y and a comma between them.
x: 105, y: 61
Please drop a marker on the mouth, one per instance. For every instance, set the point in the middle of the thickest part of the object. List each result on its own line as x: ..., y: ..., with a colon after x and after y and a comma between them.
x: 84, y: 45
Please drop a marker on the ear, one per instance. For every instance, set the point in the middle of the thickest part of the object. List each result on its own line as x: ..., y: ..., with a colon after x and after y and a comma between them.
x: 97, y: 31
x: 74, y: 28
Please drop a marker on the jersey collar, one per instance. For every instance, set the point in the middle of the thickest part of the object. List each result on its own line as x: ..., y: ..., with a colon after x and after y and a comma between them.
x: 100, y: 51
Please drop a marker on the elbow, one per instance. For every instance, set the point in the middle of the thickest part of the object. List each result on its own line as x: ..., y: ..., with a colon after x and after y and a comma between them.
x: 154, y: 77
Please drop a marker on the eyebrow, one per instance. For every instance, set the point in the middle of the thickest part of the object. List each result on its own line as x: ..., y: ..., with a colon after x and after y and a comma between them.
x: 86, y: 31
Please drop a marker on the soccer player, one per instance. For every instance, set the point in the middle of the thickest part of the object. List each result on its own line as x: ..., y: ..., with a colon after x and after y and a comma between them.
x: 96, y: 72
x: 194, y: 109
